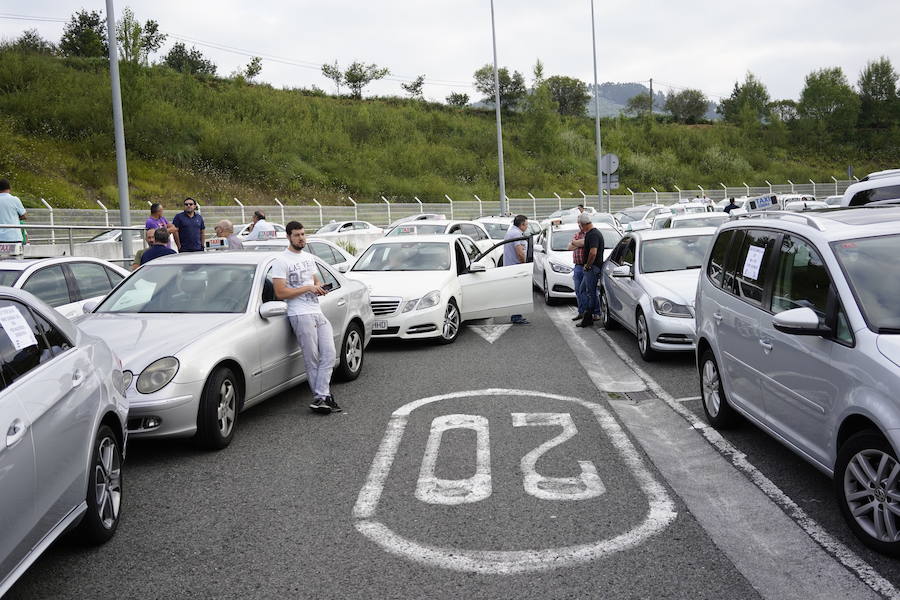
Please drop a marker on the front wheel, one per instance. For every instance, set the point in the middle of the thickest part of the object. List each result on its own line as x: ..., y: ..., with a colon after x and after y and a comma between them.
x: 352, y: 350
x: 548, y: 299
x: 867, y: 486
x: 643, y: 339
x: 104, y: 493
x: 218, y: 411
x: 452, y: 322
x: 719, y: 413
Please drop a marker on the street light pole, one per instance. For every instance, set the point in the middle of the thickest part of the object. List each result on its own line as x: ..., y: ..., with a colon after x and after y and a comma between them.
x: 119, y: 129
x: 596, y: 111
x: 501, y: 175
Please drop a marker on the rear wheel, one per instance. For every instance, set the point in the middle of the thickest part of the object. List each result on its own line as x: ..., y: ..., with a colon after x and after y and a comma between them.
x: 606, y: 318
x: 218, y: 411
x: 452, y: 322
x: 352, y: 350
x: 104, y: 493
x: 719, y: 413
x: 643, y: 338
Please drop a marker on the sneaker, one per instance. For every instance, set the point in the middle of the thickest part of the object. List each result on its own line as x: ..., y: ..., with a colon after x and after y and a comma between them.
x: 585, y: 323
x: 320, y: 405
x: 329, y: 401
x: 578, y: 317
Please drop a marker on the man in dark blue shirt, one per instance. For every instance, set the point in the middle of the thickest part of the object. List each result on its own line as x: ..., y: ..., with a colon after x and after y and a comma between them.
x: 190, y: 235
x: 159, y: 247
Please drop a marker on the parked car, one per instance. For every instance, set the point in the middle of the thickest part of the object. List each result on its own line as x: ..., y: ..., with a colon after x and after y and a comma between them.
x: 643, y: 212
x: 64, y: 282
x: 472, y: 229
x: 328, y: 251
x: 417, y: 217
x: 798, y: 330
x: 63, y: 411
x: 648, y: 285
x: 497, y: 227
x: 243, y: 231
x: 348, y: 228
x: 875, y: 187
x: 204, y: 338
x: 553, y: 263
x: 425, y: 286
x: 707, y: 219
x: 804, y: 205
x: 833, y: 201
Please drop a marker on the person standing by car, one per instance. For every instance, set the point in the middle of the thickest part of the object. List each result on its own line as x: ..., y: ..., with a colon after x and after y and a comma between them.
x: 577, y: 248
x: 190, y: 229
x: 159, y: 248
x: 157, y: 220
x: 258, y: 227
x: 11, y: 213
x: 225, y: 229
x: 148, y: 237
x: 593, y: 249
x: 514, y: 253
x: 731, y: 205
x: 295, y: 277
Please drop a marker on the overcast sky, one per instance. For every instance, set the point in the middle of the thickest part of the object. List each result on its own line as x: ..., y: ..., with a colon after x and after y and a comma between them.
x: 688, y: 43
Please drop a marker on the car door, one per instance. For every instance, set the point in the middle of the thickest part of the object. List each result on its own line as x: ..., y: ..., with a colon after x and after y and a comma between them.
x: 50, y: 285
x: 799, y: 382
x: 90, y: 280
x: 620, y: 289
x: 280, y: 357
x: 540, y: 259
x: 334, y: 304
x: 18, y: 480
x: 494, y: 292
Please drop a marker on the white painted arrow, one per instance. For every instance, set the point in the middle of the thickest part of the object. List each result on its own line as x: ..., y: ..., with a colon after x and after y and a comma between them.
x: 491, y: 333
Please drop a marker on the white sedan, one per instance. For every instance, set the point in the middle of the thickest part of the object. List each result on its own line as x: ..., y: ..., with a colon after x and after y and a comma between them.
x: 553, y: 264
x: 64, y: 282
x: 474, y: 230
x: 707, y: 219
x: 328, y: 251
x: 425, y: 286
x: 242, y: 231
x: 348, y: 228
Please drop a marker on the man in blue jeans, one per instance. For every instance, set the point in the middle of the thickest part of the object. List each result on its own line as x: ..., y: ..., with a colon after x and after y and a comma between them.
x: 514, y: 253
x: 577, y: 248
x: 593, y: 257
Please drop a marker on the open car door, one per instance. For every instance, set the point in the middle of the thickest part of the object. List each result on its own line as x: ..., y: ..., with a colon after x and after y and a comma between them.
x: 498, y: 292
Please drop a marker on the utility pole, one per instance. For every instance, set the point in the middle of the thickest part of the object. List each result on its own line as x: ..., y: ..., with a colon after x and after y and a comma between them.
x: 119, y: 129
x: 596, y: 113
x: 503, y: 206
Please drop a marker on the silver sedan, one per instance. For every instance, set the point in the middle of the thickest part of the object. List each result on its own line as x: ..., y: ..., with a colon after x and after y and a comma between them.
x: 205, y: 338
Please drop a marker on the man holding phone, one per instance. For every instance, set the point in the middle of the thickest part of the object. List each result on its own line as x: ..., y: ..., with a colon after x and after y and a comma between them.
x: 295, y: 277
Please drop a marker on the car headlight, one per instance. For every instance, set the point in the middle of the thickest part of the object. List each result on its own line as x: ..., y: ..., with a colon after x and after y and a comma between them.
x: 157, y: 375
x: 667, y: 308
x: 560, y: 268
x: 127, y: 378
x: 427, y: 301
x: 409, y: 305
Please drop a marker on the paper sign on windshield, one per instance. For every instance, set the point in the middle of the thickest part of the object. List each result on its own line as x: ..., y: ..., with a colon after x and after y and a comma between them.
x: 16, y: 327
x: 753, y: 262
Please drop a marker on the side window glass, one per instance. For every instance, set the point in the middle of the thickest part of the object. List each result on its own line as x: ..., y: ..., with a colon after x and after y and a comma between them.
x: 56, y: 339
x: 323, y: 251
x: 91, y: 279
x: 328, y: 277
x: 49, y: 285
x: 114, y: 277
x: 628, y: 254
x: 462, y: 261
x: 750, y: 267
x: 16, y: 363
x: 470, y: 248
x: 360, y: 225
x: 842, y: 330
x: 616, y: 255
x: 268, y: 288
x: 860, y: 198
x: 802, y: 279
x: 717, y: 258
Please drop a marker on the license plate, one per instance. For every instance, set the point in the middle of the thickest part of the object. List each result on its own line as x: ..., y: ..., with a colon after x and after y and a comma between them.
x: 380, y: 325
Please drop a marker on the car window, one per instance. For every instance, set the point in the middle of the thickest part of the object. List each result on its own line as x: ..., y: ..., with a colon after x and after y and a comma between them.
x: 268, y: 287
x: 462, y: 261
x: 717, y: 257
x: 661, y: 222
x: 49, y: 284
x: 749, y: 269
x: 56, y: 339
x: 628, y: 253
x: 328, y: 277
x: 324, y: 252
x: 801, y: 280
x: 17, y: 362
x: 674, y: 254
x: 91, y: 279
x: 9, y: 276
x: 360, y: 225
x: 470, y: 248
x: 888, y: 192
x: 474, y: 232
x: 616, y: 255
x: 114, y: 277
x: 872, y: 270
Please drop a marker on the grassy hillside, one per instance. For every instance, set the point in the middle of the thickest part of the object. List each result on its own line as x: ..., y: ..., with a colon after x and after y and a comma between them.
x: 217, y: 138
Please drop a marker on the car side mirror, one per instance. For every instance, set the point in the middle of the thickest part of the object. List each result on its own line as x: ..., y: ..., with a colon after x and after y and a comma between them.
x: 273, y: 308
x: 799, y: 321
x: 622, y: 271
x: 89, y: 306
x: 342, y: 268
x: 477, y: 268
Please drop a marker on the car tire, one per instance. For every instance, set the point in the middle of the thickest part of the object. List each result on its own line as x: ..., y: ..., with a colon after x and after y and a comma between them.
x: 548, y: 299
x: 352, y: 353
x: 451, y: 325
x: 606, y: 318
x: 719, y: 413
x: 868, y: 448
x: 104, y: 492
x: 643, y: 338
x: 218, y: 410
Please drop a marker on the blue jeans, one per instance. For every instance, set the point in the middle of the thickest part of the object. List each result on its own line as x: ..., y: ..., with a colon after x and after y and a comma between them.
x: 589, y: 290
x: 577, y: 276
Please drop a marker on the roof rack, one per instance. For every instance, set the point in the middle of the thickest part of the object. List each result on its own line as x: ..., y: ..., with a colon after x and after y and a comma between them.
x: 782, y: 214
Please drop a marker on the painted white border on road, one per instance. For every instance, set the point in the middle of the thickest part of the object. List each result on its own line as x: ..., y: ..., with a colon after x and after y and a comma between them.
x: 661, y: 512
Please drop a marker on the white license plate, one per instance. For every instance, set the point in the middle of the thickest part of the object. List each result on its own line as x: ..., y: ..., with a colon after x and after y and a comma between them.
x: 380, y: 325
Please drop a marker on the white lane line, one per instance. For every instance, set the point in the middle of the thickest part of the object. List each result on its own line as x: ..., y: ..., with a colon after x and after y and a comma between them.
x: 847, y: 557
x: 490, y: 332
x: 688, y: 399
x: 660, y: 512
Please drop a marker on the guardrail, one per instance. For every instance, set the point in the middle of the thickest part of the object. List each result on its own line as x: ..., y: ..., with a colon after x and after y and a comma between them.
x: 106, y: 250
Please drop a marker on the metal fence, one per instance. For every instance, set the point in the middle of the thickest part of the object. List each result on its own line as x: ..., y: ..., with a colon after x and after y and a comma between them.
x: 313, y: 215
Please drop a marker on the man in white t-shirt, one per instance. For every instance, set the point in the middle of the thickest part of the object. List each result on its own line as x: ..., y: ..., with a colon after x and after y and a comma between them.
x: 258, y: 227
x: 296, y: 280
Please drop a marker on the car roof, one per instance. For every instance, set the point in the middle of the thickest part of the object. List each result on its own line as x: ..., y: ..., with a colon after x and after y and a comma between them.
x: 831, y: 223
x: 437, y: 237
x: 20, y: 264
x: 45, y: 311
x: 192, y: 258
x: 703, y: 215
x: 660, y: 234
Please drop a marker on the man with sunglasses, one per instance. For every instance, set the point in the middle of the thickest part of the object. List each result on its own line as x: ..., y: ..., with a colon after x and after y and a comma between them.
x: 191, y: 235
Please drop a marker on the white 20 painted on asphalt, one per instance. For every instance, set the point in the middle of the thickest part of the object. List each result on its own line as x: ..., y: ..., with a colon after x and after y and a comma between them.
x: 433, y: 490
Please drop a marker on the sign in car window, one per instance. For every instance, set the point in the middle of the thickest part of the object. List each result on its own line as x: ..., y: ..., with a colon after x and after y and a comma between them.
x: 753, y: 262
x: 16, y: 327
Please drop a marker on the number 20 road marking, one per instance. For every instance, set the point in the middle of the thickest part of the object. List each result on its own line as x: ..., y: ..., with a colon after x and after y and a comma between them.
x: 434, y: 490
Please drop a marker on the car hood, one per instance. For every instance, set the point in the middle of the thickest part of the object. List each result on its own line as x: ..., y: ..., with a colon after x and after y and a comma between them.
x: 406, y: 284
x: 139, y: 339
x: 889, y: 346
x: 677, y: 286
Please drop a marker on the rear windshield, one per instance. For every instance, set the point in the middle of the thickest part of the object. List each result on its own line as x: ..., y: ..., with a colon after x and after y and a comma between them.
x: 710, y: 221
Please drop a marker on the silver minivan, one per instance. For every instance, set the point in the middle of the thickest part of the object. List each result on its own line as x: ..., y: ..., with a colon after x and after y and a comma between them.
x: 798, y: 331
x: 62, y: 415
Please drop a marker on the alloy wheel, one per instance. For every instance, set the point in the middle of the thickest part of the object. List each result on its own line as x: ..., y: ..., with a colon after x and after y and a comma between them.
x: 108, y: 482
x: 710, y: 384
x: 642, y: 334
x: 227, y: 408
x: 547, y: 297
x: 451, y: 322
x: 354, y: 350
x: 872, y: 493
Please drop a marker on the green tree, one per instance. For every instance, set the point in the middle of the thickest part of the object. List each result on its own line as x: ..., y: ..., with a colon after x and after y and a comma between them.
x: 188, y: 61
x: 137, y: 42
x: 638, y: 105
x: 84, y: 35
x: 253, y: 68
x: 334, y: 73
x: 878, y: 94
x: 784, y: 110
x: 512, y: 87
x: 31, y: 41
x: 358, y: 75
x: 414, y: 87
x: 686, y: 106
x: 458, y: 99
x: 571, y: 95
x: 751, y: 93
x: 541, y: 121
x: 828, y: 105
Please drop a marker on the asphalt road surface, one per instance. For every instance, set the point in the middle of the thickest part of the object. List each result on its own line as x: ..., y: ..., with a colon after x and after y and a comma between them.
x: 529, y: 461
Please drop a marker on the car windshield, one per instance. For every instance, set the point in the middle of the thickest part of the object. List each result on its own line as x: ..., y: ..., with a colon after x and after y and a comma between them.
x: 9, y: 276
x: 496, y: 230
x: 561, y: 213
x: 631, y: 215
x: 107, y: 236
x: 329, y: 227
x: 710, y: 221
x: 408, y: 256
x: 610, y: 238
x: 417, y: 229
x: 559, y: 241
x: 674, y: 254
x: 183, y: 288
x: 872, y: 269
